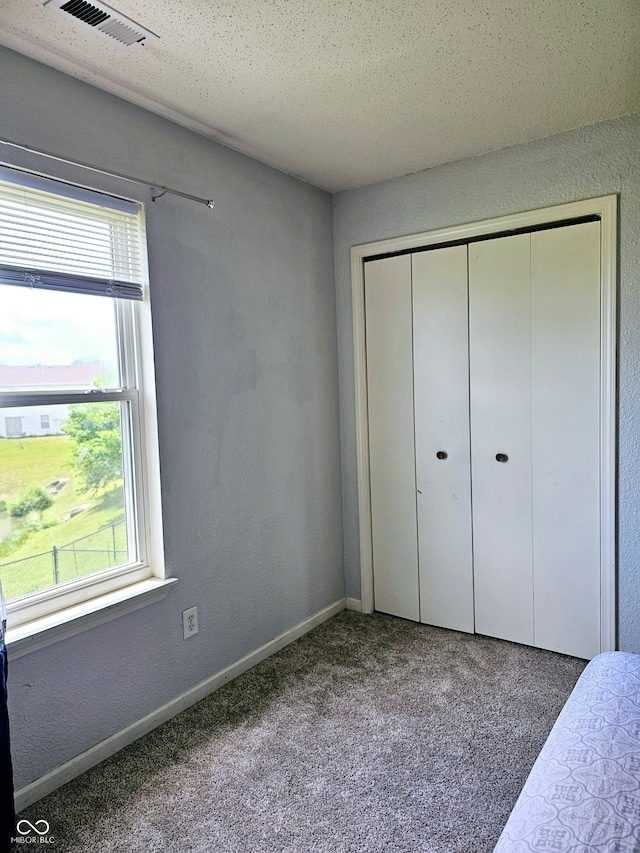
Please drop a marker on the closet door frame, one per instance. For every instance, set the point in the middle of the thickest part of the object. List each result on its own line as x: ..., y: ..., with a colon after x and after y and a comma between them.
x: 605, y: 208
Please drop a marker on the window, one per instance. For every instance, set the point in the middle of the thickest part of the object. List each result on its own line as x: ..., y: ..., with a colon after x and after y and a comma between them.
x: 77, y: 453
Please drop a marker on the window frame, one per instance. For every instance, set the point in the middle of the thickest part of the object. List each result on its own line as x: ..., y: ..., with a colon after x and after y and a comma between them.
x: 140, y: 456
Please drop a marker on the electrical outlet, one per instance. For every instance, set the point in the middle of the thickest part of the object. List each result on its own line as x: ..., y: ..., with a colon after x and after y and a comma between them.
x: 190, y: 622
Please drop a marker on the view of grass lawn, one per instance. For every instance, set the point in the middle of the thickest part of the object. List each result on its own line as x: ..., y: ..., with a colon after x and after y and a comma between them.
x: 39, y: 461
x: 33, y: 460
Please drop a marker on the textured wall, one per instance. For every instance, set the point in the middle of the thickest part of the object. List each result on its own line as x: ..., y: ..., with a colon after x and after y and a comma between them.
x: 244, y: 323
x: 593, y: 161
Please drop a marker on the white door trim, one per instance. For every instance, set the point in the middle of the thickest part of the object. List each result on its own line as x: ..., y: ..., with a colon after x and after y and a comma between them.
x: 604, y: 207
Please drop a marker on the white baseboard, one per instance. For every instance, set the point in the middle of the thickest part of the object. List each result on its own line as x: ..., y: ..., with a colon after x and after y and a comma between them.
x: 354, y: 604
x: 76, y: 766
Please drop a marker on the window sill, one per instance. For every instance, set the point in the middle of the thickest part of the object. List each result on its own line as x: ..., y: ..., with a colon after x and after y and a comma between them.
x: 73, y: 620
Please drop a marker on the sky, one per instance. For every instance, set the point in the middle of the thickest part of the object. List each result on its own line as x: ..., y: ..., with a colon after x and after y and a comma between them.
x: 48, y: 327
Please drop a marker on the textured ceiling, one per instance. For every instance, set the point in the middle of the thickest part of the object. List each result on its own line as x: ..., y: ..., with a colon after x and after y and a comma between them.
x: 348, y: 92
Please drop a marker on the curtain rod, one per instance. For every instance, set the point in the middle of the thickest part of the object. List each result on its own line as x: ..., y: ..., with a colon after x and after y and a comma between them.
x: 209, y: 202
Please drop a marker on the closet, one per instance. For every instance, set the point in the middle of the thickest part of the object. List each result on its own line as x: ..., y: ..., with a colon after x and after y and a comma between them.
x: 483, y: 395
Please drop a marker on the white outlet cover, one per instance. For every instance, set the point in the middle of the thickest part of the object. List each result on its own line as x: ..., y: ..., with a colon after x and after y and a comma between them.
x: 189, y: 622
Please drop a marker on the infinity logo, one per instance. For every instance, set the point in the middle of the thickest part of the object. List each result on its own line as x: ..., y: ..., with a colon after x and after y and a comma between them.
x: 41, y: 827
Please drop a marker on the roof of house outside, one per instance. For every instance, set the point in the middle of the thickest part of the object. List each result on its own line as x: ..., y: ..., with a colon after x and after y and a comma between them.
x: 77, y: 375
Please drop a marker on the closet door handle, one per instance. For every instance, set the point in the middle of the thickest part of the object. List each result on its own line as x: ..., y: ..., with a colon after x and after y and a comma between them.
x: 502, y: 457
x: 441, y: 454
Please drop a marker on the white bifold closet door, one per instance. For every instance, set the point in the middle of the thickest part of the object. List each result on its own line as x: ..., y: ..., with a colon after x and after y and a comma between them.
x: 500, y: 381
x: 565, y: 438
x: 442, y: 437
x: 483, y: 370
x: 391, y: 443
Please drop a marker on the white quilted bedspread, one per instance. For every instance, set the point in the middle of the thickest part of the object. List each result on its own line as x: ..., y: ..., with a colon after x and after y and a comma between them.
x: 583, y: 792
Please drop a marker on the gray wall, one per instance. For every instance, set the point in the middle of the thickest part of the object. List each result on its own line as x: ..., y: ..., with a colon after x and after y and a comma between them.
x: 244, y: 320
x: 589, y: 162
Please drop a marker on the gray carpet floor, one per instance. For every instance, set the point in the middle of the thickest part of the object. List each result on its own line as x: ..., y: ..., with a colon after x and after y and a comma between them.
x: 368, y: 734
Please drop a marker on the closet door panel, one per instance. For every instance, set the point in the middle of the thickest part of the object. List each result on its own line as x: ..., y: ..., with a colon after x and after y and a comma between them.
x: 441, y: 393
x: 391, y: 436
x: 565, y: 340
x: 500, y: 383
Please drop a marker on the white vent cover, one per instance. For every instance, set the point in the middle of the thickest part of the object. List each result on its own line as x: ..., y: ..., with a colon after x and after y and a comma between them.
x: 105, y: 21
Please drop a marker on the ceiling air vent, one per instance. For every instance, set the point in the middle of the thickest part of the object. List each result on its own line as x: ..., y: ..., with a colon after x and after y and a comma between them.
x: 105, y: 21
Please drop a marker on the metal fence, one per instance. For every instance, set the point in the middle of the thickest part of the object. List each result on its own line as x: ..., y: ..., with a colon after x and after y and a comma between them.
x: 102, y: 549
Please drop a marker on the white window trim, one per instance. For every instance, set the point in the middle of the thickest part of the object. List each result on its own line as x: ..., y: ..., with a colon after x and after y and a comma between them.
x: 56, y: 612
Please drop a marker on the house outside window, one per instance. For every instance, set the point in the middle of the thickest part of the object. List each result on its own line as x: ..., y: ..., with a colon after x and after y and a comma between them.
x: 75, y: 460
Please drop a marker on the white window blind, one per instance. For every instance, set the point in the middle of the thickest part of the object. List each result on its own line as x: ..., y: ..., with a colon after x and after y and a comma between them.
x: 55, y: 243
